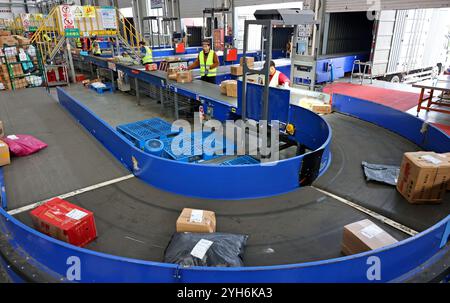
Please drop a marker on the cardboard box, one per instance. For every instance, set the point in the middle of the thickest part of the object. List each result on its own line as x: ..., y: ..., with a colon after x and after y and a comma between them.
x: 7, y: 41
x: 363, y: 236
x: 223, y: 86
x: 64, y: 221
x: 184, y: 76
x: 236, y: 70
x: 232, y: 88
x: 2, y: 130
x: 448, y: 156
x: 315, y: 106
x: 21, y: 40
x: 4, y: 154
x: 196, y: 221
x: 250, y: 61
x: 423, y: 177
x: 5, y: 33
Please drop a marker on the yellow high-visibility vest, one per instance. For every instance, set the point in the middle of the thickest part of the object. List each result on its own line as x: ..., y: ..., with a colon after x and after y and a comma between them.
x: 208, y: 63
x: 148, y: 58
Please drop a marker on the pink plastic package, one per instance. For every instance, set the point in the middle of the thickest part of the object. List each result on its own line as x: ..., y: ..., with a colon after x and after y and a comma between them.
x: 23, y: 145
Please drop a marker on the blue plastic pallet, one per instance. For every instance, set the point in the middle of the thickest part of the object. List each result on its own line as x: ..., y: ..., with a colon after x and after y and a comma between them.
x: 242, y: 160
x: 192, y: 157
x: 101, y: 90
x: 141, y: 131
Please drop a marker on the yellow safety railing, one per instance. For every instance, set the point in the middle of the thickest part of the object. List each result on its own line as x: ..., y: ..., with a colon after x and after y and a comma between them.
x: 51, y: 27
x: 48, y: 34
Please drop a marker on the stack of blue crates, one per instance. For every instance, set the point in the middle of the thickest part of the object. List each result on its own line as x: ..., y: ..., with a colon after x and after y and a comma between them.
x: 197, y: 153
x: 140, y: 132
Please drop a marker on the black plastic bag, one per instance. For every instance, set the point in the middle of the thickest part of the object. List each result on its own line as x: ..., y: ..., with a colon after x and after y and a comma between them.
x: 226, y: 250
x: 382, y: 173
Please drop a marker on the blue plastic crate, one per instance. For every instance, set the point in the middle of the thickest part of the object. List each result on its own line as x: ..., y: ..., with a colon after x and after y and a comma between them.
x: 141, y: 131
x: 242, y: 160
x: 198, y: 148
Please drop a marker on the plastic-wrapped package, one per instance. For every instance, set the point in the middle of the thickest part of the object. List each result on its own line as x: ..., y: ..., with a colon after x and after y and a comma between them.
x: 382, y: 173
x: 206, y: 249
x: 23, y: 145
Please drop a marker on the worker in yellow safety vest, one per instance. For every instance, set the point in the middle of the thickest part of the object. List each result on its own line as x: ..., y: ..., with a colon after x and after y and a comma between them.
x: 46, y: 37
x: 96, y: 50
x: 78, y: 43
x: 146, y: 52
x: 208, y: 62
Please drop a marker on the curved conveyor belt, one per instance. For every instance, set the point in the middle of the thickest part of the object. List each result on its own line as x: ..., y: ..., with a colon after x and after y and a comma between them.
x: 136, y: 220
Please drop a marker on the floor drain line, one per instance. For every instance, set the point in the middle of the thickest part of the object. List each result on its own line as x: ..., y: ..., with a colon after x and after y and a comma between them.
x: 371, y: 213
x: 71, y: 194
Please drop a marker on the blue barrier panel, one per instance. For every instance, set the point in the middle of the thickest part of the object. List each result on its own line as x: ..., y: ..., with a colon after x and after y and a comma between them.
x: 391, y: 262
x: 278, y: 102
x: 3, y: 199
x: 404, y: 124
x: 259, y: 181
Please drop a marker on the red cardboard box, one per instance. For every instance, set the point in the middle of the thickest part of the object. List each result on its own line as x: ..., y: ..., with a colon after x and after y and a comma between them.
x: 64, y: 221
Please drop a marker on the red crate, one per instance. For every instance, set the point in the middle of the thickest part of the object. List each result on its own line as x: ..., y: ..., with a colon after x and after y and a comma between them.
x: 64, y: 221
x: 79, y: 77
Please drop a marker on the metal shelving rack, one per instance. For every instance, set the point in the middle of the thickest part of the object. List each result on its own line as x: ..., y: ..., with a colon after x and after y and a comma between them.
x: 12, y: 76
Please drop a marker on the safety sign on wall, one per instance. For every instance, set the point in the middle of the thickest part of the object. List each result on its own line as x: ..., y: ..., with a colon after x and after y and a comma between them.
x: 78, y: 12
x: 108, y: 18
x: 67, y: 16
x: 88, y: 11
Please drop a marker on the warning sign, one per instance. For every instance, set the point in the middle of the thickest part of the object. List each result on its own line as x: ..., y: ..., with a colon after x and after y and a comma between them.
x: 78, y: 12
x: 88, y: 11
x: 67, y: 16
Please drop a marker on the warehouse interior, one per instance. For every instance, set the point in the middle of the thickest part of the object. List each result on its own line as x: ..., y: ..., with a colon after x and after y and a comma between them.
x: 217, y: 141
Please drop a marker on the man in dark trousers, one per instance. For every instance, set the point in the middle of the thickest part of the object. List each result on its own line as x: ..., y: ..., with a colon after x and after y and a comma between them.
x: 208, y: 62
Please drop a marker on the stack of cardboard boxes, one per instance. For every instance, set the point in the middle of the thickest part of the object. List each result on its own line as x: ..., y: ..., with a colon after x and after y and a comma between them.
x: 17, y: 70
x: 6, y: 39
x: 20, y: 83
x: 237, y: 70
x: 4, y: 77
x: 4, y: 149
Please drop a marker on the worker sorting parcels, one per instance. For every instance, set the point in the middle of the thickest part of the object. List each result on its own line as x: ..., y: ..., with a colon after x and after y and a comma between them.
x: 96, y: 50
x: 277, y: 78
x: 208, y: 62
x: 146, y: 53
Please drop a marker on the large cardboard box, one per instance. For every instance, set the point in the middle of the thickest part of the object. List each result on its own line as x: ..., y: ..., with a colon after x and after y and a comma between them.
x: 423, y: 177
x: 5, y: 33
x: 184, y: 76
x: 250, y: 61
x: 65, y: 221
x: 363, y: 236
x: 4, y: 154
x: 196, y: 221
x: 448, y: 182
x: 2, y: 130
x: 236, y: 70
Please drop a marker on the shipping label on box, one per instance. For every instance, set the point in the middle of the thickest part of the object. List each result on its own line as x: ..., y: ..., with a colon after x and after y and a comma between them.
x: 423, y: 177
x: 363, y: 236
x: 196, y: 220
